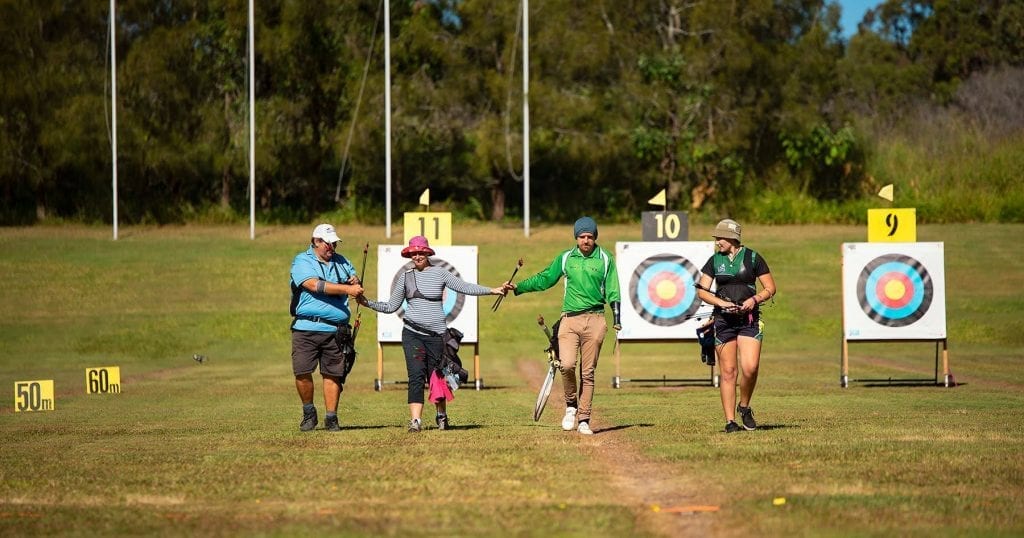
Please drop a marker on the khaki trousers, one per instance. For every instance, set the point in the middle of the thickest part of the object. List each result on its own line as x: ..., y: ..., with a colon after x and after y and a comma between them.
x: 581, y: 336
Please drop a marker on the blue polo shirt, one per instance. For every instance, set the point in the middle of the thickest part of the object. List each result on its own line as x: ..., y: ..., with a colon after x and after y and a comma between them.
x: 331, y: 307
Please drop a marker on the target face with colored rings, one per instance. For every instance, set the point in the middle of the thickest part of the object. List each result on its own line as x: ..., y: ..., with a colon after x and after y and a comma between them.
x: 451, y: 301
x: 662, y: 289
x: 895, y: 290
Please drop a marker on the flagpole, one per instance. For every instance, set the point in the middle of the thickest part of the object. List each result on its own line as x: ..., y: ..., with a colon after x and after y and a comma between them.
x: 387, y: 117
x: 252, y: 122
x: 113, y: 106
x: 526, y: 118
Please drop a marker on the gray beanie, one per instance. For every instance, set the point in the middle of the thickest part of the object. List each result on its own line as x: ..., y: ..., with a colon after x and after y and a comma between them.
x: 583, y: 225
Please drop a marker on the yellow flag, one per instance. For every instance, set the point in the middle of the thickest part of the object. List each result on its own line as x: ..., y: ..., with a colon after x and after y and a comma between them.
x: 425, y: 198
x: 659, y: 199
x: 886, y: 192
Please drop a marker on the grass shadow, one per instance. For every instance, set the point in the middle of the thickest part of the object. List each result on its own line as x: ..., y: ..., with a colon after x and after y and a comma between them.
x: 774, y: 426
x: 623, y: 427
x: 904, y: 383
x: 464, y: 427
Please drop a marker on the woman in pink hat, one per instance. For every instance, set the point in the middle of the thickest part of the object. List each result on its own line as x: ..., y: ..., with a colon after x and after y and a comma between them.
x: 424, y: 325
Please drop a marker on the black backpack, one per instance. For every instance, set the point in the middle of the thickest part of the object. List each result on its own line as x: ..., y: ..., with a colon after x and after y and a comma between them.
x: 450, y: 361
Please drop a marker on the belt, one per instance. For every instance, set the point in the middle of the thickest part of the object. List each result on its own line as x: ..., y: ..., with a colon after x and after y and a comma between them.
x: 595, y: 310
x: 318, y: 319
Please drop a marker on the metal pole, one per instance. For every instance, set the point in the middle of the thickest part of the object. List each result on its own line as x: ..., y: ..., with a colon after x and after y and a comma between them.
x: 387, y: 117
x: 526, y: 118
x: 113, y: 106
x: 252, y: 122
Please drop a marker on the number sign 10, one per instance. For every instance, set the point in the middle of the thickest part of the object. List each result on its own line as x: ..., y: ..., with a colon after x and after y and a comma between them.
x: 665, y: 225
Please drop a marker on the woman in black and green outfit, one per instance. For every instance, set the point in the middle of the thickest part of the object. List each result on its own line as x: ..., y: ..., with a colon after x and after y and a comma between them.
x: 736, y: 270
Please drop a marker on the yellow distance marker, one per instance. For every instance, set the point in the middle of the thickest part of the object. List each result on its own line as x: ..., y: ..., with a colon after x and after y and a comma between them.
x: 103, y: 380
x: 892, y: 225
x: 435, y: 226
x: 34, y: 395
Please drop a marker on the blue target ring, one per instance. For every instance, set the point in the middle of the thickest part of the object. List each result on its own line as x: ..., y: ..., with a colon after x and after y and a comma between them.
x: 895, y: 290
x: 662, y: 290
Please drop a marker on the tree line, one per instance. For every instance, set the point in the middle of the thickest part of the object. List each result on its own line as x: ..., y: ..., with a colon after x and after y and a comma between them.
x: 713, y: 100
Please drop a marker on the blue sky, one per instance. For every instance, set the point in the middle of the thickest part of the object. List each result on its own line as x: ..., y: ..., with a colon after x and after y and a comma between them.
x: 853, y: 12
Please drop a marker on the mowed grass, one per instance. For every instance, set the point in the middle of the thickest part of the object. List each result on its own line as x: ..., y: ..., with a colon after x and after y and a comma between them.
x: 214, y: 448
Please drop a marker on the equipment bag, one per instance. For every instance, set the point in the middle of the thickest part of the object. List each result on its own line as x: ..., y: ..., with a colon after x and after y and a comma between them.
x: 706, y: 339
x: 348, y: 348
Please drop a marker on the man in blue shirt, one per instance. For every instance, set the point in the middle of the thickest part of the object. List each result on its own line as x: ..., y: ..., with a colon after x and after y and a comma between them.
x: 321, y: 282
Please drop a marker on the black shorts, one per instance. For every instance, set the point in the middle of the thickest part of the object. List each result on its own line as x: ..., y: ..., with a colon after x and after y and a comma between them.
x: 312, y: 349
x: 728, y: 327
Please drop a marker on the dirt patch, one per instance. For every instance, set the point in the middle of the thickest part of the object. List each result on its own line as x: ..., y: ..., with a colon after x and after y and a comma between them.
x: 665, y: 501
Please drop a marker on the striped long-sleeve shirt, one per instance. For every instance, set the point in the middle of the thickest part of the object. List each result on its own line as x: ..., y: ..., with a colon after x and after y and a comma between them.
x: 431, y: 282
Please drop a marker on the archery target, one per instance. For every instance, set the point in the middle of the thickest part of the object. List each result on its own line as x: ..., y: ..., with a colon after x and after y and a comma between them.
x: 893, y: 291
x: 460, y: 310
x: 662, y: 289
x: 657, y: 280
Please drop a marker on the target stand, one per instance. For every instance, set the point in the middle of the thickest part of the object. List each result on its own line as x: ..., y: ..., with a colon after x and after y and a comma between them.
x: 711, y: 380
x: 379, y: 382
x: 895, y: 292
x: 460, y: 310
x: 660, y: 301
x: 940, y: 345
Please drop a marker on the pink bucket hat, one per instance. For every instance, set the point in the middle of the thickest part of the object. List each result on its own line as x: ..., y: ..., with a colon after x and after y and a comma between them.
x: 417, y: 245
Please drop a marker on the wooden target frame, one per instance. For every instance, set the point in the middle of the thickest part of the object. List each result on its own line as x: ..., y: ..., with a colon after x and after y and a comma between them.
x: 659, y: 300
x: 894, y: 292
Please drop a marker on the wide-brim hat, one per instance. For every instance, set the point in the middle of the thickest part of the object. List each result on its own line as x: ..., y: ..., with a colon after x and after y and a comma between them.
x: 417, y: 245
x: 727, y: 229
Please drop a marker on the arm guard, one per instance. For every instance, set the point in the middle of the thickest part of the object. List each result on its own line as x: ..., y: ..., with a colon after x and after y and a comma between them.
x: 616, y: 315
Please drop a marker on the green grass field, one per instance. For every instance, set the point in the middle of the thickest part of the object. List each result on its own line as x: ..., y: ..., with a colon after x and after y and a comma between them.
x: 214, y: 448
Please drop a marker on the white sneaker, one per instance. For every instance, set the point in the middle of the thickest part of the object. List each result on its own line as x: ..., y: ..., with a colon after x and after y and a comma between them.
x: 584, y: 429
x: 569, y: 420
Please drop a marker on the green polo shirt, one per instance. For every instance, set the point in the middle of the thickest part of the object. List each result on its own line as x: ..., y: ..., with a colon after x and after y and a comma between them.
x: 590, y: 281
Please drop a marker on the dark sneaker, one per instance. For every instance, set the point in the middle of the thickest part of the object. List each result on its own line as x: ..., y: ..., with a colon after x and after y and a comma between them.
x: 308, y: 421
x: 331, y: 424
x: 442, y: 422
x: 415, y: 426
x: 747, y: 417
x: 732, y: 427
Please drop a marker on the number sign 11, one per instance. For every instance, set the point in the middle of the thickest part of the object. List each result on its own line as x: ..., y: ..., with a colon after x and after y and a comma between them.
x: 435, y: 226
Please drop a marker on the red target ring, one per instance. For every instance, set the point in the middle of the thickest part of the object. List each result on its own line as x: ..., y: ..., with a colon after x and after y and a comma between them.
x: 666, y: 290
x: 894, y: 290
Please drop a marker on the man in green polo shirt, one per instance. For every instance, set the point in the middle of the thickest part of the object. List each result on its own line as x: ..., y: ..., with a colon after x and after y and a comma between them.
x: 590, y: 281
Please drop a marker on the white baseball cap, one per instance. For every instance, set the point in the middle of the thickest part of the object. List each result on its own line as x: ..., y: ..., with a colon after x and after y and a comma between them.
x: 326, y: 232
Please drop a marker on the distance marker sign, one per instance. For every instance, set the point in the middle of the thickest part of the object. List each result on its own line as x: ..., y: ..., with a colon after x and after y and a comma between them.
x: 103, y: 380
x: 894, y: 291
x: 34, y: 395
x: 658, y: 285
